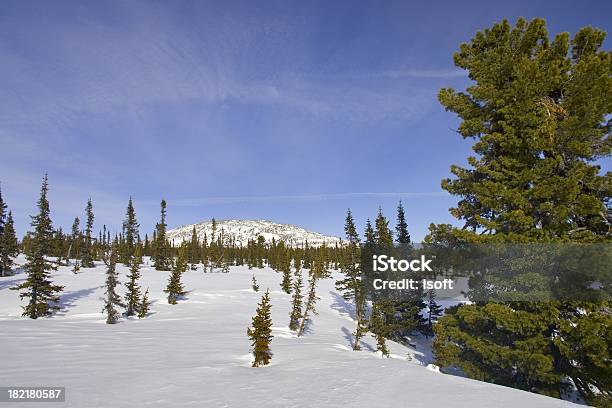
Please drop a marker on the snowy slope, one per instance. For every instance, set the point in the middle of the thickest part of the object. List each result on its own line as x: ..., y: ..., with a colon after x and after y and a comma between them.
x: 196, y: 353
x: 244, y: 230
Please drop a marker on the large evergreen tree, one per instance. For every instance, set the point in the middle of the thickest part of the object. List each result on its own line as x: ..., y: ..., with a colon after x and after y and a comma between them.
x: 87, y: 259
x: 112, y: 299
x: 162, y: 253
x: 132, y: 296
x: 43, y: 295
x: 175, y: 287
x: 296, y: 301
x: 402, y: 236
x: 130, y: 234
x: 76, y: 239
x: 9, y: 247
x: 538, y: 111
x: 261, y: 332
x: 351, y: 286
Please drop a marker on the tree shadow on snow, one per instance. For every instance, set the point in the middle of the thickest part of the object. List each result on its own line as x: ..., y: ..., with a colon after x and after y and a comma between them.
x: 342, y: 306
x: 12, y: 280
x: 68, y: 300
x: 350, y: 338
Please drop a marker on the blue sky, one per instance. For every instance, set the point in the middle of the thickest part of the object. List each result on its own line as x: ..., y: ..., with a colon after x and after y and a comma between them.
x: 288, y: 111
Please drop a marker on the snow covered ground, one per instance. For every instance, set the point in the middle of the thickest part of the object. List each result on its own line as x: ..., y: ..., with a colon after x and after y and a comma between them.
x: 196, y: 353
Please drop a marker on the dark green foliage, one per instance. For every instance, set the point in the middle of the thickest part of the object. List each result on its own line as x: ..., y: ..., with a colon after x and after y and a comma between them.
x: 162, y: 248
x: 143, y: 307
x: 380, y: 326
x: 402, y: 236
x: 296, y: 302
x: 194, y: 249
x: 384, y: 237
x: 9, y: 248
x: 130, y: 234
x: 132, y: 296
x: 175, y: 287
x: 351, y: 286
x: 43, y: 295
x: 254, y: 284
x: 317, y: 271
x: 112, y: 300
x: 434, y: 311
x: 76, y: 239
x: 261, y: 332
x: 538, y: 112
x: 286, y: 270
x: 88, y: 256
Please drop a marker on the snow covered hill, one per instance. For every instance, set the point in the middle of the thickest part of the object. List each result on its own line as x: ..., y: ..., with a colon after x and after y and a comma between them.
x: 244, y: 230
x: 196, y: 353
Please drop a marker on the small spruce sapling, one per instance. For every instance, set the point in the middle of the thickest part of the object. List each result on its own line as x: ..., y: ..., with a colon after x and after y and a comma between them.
x: 261, y: 332
x: 143, y: 307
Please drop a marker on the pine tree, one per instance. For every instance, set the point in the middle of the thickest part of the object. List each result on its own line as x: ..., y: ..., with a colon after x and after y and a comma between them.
x: 132, y: 296
x: 312, y: 298
x: 175, y: 287
x: 261, y: 332
x: 434, y: 311
x: 130, y: 234
x: 369, y: 235
x: 9, y: 247
x: 88, y: 257
x: 194, y: 250
x: 3, y: 270
x: 112, y: 300
x: 42, y: 293
x: 296, y: 302
x: 74, y: 251
x: 286, y: 270
x: 401, y: 230
x: 254, y: 284
x: 384, y: 237
x: 144, y: 305
x: 162, y: 256
x: 538, y: 111
x: 380, y: 326
x: 351, y: 286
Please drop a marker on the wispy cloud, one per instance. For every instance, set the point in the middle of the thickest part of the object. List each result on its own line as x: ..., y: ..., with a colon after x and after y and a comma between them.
x: 194, y: 202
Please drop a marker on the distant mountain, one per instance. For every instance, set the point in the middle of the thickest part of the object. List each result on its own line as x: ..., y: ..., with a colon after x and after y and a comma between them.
x: 245, y: 230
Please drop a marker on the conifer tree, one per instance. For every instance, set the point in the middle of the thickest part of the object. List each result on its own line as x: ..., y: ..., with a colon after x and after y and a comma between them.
x: 3, y: 208
x: 132, y: 296
x: 254, y: 284
x: 261, y: 332
x: 380, y: 327
x: 175, y: 287
x: 74, y: 251
x: 401, y: 230
x: 3, y: 270
x: 538, y: 112
x: 88, y: 257
x: 43, y: 295
x: 434, y: 311
x: 286, y: 270
x: 9, y: 247
x: 130, y: 234
x: 112, y: 299
x: 384, y: 237
x: 144, y: 305
x: 194, y: 250
x: 351, y: 286
x: 296, y: 301
x: 162, y: 256
x: 369, y: 235
x: 315, y: 273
